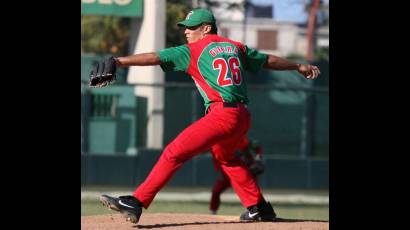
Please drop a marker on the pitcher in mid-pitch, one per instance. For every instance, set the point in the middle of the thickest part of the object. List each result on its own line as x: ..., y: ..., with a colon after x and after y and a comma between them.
x: 216, y: 65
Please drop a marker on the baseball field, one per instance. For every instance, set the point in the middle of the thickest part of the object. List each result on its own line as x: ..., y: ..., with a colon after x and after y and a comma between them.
x: 194, y: 214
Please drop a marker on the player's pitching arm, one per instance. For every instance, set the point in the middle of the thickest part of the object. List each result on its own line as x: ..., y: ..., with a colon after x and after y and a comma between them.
x: 277, y: 63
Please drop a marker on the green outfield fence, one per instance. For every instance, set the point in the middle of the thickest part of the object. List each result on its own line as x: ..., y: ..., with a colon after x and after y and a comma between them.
x: 290, y: 119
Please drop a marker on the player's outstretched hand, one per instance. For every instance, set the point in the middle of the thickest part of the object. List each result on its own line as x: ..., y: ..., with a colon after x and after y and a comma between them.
x: 309, y: 71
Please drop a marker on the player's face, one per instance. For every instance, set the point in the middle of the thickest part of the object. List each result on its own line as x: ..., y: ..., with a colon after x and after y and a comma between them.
x: 195, y: 33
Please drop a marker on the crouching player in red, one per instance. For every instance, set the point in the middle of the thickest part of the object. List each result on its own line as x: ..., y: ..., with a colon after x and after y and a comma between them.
x: 250, y: 152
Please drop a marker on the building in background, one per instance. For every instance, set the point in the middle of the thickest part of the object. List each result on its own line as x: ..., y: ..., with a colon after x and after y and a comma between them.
x: 274, y: 37
x: 259, y: 29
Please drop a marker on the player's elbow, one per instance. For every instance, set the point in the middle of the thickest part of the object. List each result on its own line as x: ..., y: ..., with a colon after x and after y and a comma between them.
x: 271, y: 60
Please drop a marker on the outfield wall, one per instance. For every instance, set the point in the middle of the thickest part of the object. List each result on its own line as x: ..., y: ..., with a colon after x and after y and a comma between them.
x: 123, y: 170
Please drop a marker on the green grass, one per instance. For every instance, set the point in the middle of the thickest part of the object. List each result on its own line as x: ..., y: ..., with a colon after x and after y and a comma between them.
x: 308, y: 212
x: 93, y: 207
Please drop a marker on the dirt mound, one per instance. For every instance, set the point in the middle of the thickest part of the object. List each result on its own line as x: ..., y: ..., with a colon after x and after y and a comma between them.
x: 170, y: 221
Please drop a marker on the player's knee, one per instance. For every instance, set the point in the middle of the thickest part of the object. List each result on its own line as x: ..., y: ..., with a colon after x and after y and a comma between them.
x: 173, y: 153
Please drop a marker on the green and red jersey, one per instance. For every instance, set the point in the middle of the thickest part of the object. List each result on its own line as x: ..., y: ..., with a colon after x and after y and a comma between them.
x: 216, y: 64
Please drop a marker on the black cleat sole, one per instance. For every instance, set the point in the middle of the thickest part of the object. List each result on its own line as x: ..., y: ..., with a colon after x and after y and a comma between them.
x: 106, y: 201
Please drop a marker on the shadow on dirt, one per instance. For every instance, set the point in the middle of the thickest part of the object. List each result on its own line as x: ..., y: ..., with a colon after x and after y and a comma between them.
x: 297, y: 220
x: 225, y: 222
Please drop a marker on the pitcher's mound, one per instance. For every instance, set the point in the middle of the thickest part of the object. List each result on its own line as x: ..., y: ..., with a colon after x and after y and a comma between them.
x: 170, y: 221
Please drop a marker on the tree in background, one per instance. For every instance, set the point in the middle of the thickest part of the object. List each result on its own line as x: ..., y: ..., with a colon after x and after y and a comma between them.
x: 104, y: 34
x: 110, y: 34
x: 318, y: 16
x: 176, y: 11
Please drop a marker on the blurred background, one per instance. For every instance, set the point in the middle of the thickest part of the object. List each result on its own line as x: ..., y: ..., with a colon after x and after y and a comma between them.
x: 124, y: 127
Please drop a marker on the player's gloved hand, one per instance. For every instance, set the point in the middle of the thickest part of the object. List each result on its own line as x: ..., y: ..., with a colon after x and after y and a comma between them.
x: 257, y: 168
x: 103, y: 73
x: 308, y: 71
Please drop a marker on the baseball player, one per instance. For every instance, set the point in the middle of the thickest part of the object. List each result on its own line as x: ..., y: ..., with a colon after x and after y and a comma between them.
x: 216, y: 65
x: 245, y: 151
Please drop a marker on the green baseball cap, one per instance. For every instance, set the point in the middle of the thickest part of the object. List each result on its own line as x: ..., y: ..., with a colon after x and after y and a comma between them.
x: 196, y: 17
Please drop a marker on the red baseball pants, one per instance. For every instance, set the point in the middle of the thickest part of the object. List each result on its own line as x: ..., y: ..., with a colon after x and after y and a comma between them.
x: 221, y: 129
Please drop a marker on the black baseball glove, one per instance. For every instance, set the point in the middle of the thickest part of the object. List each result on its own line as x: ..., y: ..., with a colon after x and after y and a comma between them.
x: 257, y: 168
x: 103, y: 73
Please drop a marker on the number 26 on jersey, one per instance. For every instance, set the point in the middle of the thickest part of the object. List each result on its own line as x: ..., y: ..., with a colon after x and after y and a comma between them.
x: 223, y: 78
